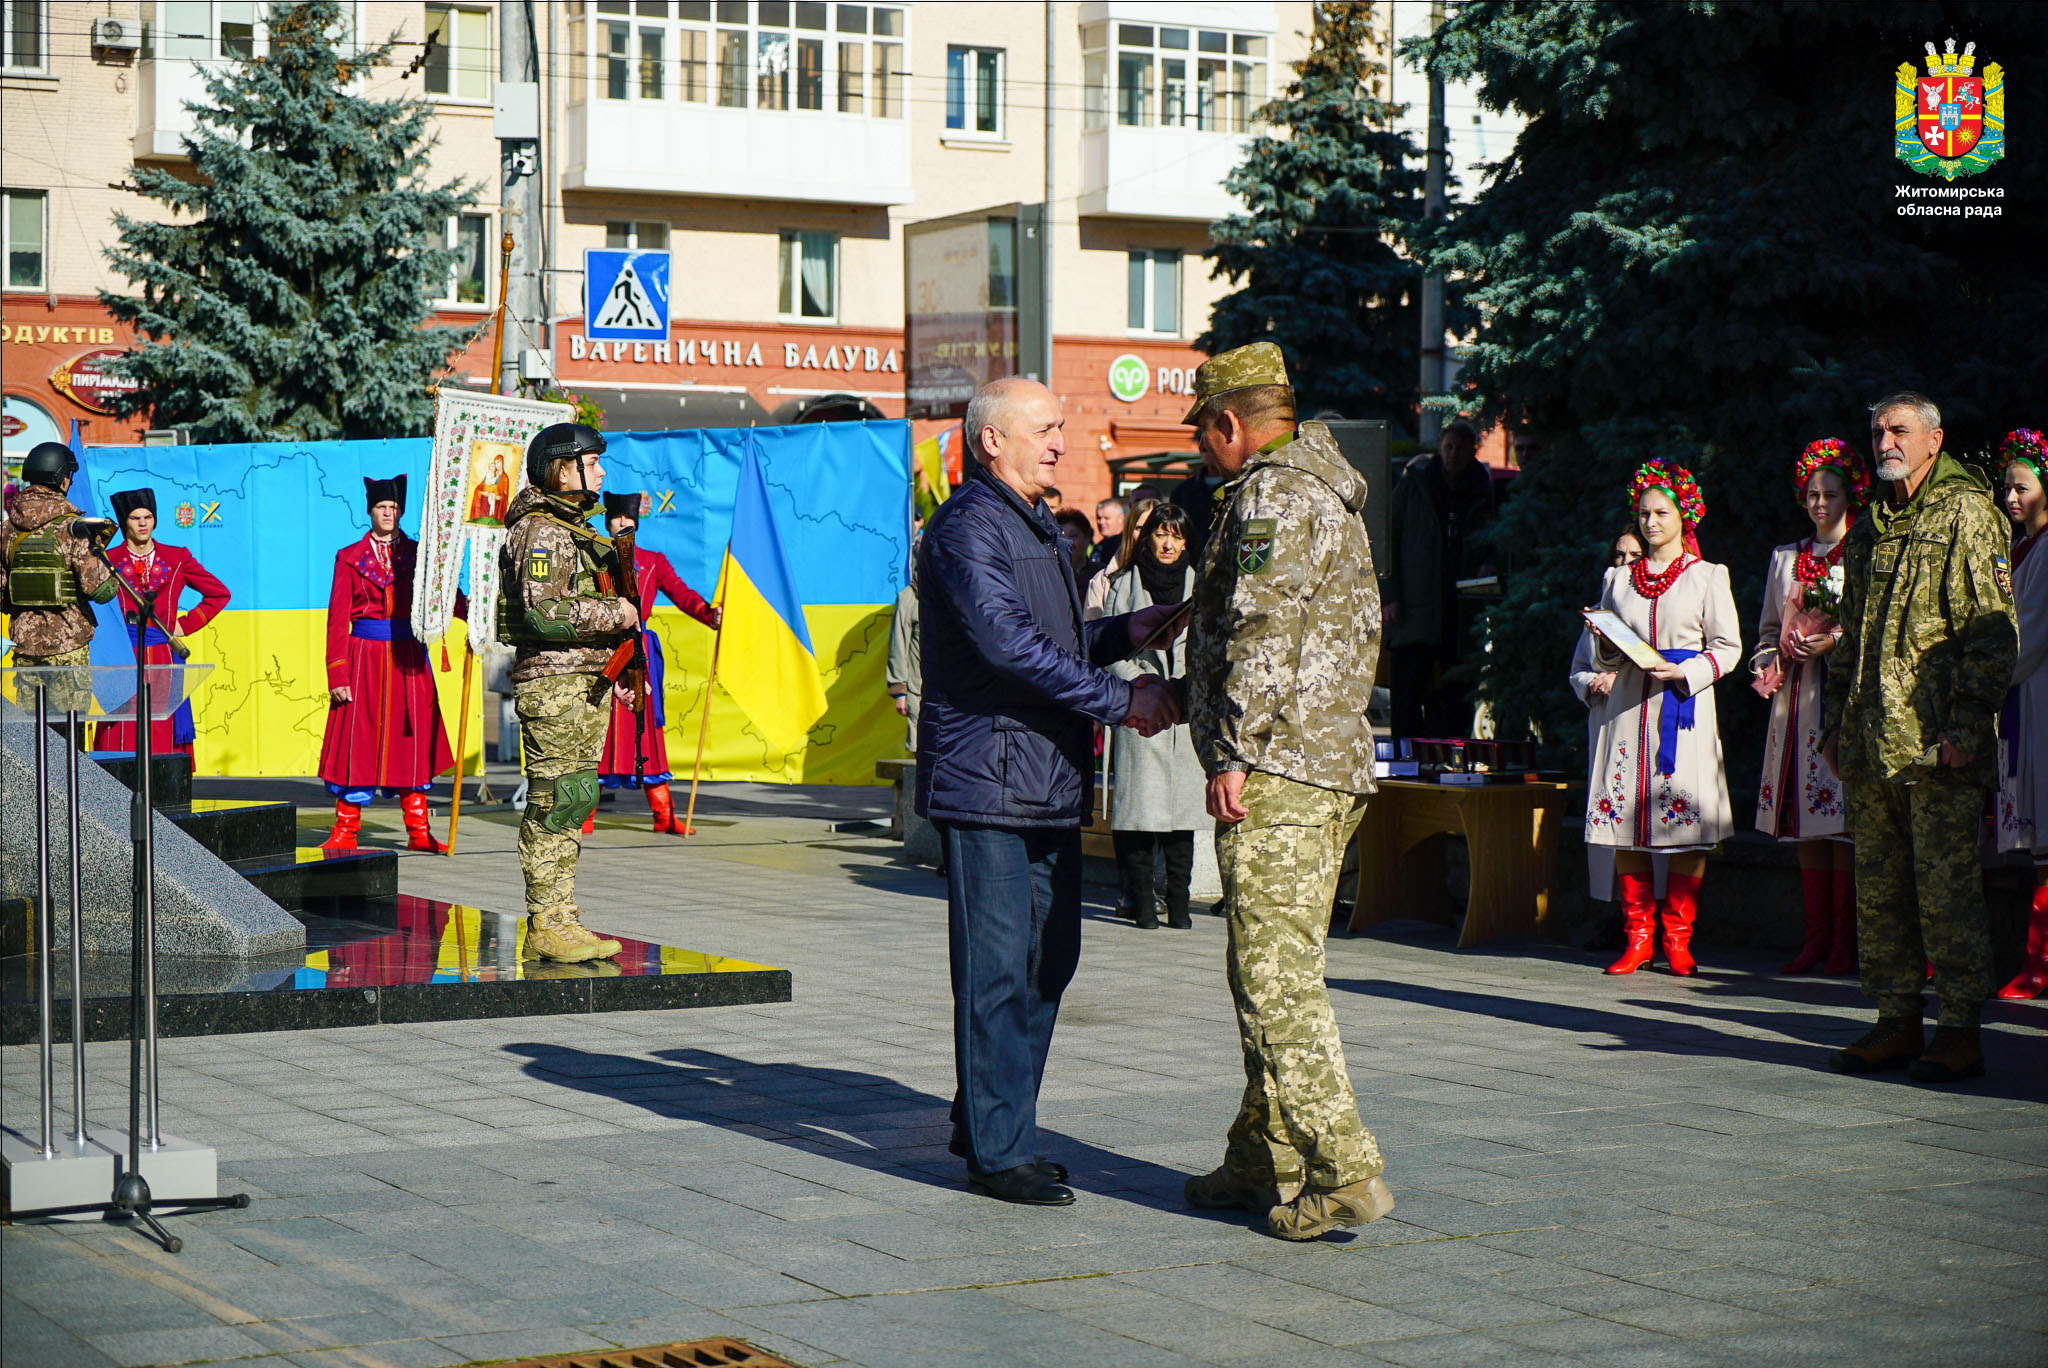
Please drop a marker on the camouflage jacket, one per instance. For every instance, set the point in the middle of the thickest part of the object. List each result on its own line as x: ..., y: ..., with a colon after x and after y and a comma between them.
x: 560, y: 606
x: 1285, y: 631
x: 52, y: 631
x: 1928, y: 640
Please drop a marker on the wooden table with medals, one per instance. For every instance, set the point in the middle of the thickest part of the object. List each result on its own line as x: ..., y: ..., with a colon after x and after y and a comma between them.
x: 1510, y: 831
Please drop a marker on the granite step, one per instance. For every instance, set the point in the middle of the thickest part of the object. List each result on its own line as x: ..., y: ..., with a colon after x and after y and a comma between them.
x: 170, y: 776
x: 309, y: 879
x: 238, y: 830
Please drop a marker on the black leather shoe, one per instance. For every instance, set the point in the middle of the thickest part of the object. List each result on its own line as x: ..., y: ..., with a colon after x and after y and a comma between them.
x: 1055, y: 1171
x: 1026, y: 1185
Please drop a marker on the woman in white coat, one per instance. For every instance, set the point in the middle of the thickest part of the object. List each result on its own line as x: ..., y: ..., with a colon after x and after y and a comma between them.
x: 1658, y: 780
x: 1800, y: 797
x: 1157, y: 800
x: 2023, y: 728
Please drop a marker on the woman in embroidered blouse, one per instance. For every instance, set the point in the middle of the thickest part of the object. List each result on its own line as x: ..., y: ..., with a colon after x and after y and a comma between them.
x: 1658, y: 781
x: 2022, y: 811
x: 1800, y: 798
x: 144, y: 563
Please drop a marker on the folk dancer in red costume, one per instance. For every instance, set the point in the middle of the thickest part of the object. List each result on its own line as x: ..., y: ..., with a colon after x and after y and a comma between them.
x: 384, y: 732
x: 141, y: 564
x: 1800, y: 799
x: 1658, y: 783
x: 653, y: 573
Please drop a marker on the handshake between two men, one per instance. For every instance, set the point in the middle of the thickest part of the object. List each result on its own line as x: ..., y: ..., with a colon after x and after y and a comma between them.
x: 1156, y: 702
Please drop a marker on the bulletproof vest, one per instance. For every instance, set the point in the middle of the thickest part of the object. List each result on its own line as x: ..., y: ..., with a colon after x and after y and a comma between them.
x: 38, y: 576
x: 591, y: 566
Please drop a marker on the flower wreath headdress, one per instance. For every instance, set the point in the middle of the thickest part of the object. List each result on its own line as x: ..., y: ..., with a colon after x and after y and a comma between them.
x: 1832, y: 453
x: 2025, y: 444
x: 1676, y: 482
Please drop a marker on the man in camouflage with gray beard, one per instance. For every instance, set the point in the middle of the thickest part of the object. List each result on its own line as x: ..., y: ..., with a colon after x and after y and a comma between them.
x: 563, y: 611
x: 1282, y: 646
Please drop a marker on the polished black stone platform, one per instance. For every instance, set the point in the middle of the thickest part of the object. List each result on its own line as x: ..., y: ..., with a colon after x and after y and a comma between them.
x: 170, y: 776
x: 430, y: 961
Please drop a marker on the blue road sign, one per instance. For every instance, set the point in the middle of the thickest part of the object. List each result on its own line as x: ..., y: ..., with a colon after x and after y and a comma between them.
x: 625, y: 295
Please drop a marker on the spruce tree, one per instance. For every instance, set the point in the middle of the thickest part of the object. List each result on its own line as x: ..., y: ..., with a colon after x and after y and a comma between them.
x: 289, y: 293
x: 1315, y: 253
x: 1696, y: 251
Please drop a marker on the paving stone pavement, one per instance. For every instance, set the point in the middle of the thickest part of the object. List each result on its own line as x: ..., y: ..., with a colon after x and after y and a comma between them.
x: 1589, y: 1170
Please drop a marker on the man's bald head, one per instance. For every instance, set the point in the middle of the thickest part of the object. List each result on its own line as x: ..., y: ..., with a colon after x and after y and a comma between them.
x: 1014, y: 426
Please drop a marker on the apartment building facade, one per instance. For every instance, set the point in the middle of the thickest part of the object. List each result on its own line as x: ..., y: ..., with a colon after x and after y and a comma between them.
x: 780, y: 152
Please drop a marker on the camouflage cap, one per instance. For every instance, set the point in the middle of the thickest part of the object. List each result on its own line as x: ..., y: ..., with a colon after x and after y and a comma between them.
x: 1246, y: 367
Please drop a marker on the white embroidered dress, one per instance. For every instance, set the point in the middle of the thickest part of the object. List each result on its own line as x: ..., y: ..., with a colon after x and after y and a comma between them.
x: 2022, y: 810
x: 1630, y: 805
x: 1799, y: 797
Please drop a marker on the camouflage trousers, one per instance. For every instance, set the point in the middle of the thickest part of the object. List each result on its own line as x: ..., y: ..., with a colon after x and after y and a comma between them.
x: 562, y: 720
x: 1920, y: 896
x: 1298, y: 1121
x: 71, y: 694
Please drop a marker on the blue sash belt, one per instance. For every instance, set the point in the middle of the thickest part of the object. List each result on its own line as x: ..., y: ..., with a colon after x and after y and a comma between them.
x: 152, y: 635
x: 381, y: 629
x: 1673, y: 719
x: 656, y: 668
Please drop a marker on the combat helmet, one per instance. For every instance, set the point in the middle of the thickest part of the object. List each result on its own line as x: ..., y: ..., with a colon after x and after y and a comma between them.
x: 47, y: 463
x: 559, y: 442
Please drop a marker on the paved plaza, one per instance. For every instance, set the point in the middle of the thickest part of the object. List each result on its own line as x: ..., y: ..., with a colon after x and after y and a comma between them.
x: 1589, y: 1170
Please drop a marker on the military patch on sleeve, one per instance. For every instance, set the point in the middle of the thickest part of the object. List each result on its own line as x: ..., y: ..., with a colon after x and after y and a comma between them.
x: 540, y: 565
x: 1255, y: 545
x: 2001, y: 571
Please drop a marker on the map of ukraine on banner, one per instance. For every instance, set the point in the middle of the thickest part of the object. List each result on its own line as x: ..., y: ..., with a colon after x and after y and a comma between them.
x: 267, y: 518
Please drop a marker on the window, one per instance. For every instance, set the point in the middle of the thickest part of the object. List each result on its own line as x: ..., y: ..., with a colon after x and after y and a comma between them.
x: 470, y: 236
x: 24, y: 40
x: 459, y: 67
x: 1154, y: 293
x: 974, y: 91
x: 1173, y: 77
x: 237, y: 27
x: 772, y: 54
x: 810, y: 275
x: 640, y: 235
x: 21, y: 212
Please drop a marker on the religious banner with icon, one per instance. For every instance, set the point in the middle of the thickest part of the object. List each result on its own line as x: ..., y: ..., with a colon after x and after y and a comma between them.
x: 479, y: 463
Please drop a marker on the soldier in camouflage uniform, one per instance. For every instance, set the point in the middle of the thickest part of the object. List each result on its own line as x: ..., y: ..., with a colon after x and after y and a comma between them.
x: 51, y: 624
x: 1928, y: 645
x: 1283, y: 642
x: 563, y: 612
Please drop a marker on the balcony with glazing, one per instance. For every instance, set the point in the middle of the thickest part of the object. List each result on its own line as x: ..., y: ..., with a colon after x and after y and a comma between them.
x: 1168, y: 111
x: 762, y: 100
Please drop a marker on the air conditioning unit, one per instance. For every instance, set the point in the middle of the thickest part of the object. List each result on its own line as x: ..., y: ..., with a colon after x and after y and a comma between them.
x: 115, y: 35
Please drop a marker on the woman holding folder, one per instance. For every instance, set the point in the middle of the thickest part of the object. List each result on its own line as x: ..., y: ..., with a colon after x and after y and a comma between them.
x: 1664, y: 634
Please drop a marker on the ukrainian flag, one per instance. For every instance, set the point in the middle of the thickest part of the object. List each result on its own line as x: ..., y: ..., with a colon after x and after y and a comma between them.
x: 765, y: 656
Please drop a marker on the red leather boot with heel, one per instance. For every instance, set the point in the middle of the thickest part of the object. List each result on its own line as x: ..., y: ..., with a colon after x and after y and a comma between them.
x: 348, y: 820
x: 1638, y: 923
x: 418, y: 835
x: 2033, y: 974
x: 1843, y: 960
x: 1681, y: 906
x: 1818, y: 887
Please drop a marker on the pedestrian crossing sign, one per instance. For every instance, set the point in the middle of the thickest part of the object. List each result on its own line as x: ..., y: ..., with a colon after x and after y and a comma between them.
x: 625, y: 295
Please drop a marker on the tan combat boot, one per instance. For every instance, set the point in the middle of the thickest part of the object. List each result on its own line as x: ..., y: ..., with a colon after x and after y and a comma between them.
x: 1223, y: 1190
x: 555, y: 933
x: 1318, y: 1211
x: 1892, y: 1042
x: 1955, y: 1053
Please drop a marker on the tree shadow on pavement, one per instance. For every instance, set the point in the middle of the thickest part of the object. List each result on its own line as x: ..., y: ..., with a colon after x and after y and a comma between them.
x: 864, y: 1119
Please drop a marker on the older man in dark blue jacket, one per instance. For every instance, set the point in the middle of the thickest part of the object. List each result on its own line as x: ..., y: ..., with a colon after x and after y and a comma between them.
x: 1014, y: 682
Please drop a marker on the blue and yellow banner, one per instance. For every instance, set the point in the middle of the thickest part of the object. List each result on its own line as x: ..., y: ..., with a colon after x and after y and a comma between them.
x: 771, y: 669
x: 267, y: 518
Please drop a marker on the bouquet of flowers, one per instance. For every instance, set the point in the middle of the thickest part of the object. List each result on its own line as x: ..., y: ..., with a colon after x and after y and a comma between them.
x: 1824, y: 598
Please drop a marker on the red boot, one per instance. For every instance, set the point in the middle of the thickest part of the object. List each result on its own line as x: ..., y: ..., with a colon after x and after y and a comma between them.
x: 1638, y: 923
x: 1843, y: 960
x: 2033, y: 974
x: 348, y: 820
x: 662, y: 804
x: 590, y: 822
x: 418, y: 836
x: 1818, y: 888
x: 1681, y: 905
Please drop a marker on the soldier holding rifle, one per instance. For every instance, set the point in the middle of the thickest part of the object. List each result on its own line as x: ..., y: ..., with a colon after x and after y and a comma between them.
x: 577, y: 634
x: 50, y: 564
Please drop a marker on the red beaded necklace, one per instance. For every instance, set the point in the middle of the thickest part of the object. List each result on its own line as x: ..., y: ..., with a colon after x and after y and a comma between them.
x: 1653, y: 586
x: 1809, y: 570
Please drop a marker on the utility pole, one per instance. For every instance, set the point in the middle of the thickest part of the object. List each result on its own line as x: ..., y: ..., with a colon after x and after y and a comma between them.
x: 517, y: 124
x: 1429, y: 420
x: 1045, y: 212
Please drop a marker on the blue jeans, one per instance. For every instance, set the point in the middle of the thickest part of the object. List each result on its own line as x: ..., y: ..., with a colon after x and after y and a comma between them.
x: 1013, y: 904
